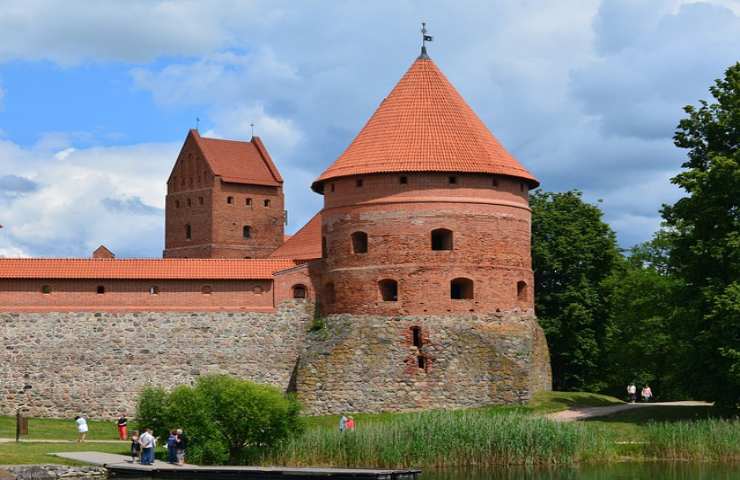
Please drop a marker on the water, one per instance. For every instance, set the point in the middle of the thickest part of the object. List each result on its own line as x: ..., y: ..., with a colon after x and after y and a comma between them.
x: 619, y: 471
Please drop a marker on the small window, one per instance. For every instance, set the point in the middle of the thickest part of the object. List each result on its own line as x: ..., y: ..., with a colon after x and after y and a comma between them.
x: 229, y: 200
x: 246, y: 231
x: 248, y: 202
x: 416, y: 336
x: 299, y: 291
x: 190, y: 203
x: 359, y: 182
x: 100, y: 289
x: 329, y: 293
x: 359, y: 242
x: 206, y: 290
x: 403, y: 180
x: 521, y: 186
x: 332, y: 187
x: 324, y: 248
x: 521, y: 291
x: 46, y: 289
x: 494, y: 182
x: 461, y: 289
x: 188, y: 232
x: 267, y: 203
x: 452, y: 180
x: 177, y: 203
x: 200, y: 200
x: 154, y: 290
x: 441, y: 239
x: 421, y: 362
x: 388, y: 290
x: 258, y: 290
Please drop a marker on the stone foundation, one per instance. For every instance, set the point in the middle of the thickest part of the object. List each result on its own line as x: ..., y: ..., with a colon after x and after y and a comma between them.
x: 370, y: 364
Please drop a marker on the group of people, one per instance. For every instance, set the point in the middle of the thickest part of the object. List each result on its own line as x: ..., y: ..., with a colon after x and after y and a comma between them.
x: 346, y: 424
x: 142, y: 447
x: 646, y: 393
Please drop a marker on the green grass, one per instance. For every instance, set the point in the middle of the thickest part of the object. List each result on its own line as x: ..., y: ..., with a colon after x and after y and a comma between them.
x: 59, y: 429
x: 549, y: 402
x: 37, y: 453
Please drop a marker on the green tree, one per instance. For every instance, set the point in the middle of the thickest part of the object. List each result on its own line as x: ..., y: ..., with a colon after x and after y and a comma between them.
x: 226, y: 419
x: 573, y: 253
x: 704, y: 231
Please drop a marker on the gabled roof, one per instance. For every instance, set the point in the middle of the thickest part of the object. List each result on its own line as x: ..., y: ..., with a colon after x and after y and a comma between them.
x: 238, y: 162
x: 142, y: 269
x: 305, y: 244
x: 103, y: 252
x: 424, y: 125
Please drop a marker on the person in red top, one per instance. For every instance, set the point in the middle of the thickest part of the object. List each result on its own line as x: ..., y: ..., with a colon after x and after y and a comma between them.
x: 351, y: 424
x: 122, y: 427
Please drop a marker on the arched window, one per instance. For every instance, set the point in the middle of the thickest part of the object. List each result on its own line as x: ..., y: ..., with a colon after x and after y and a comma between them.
x: 46, y: 289
x: 248, y: 202
x: 329, y: 294
x: 521, y: 291
x: 461, y: 289
x: 388, y: 290
x: 100, y: 290
x: 154, y: 290
x: 188, y: 232
x: 359, y: 242
x: 206, y: 290
x: 246, y: 231
x: 229, y: 200
x: 441, y: 239
x: 299, y: 291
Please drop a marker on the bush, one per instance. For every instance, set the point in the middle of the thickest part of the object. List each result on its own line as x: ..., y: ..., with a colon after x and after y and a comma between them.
x: 224, y: 418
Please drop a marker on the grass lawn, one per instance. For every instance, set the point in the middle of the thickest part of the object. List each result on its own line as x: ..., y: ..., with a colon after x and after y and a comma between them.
x: 59, y: 429
x: 36, y: 453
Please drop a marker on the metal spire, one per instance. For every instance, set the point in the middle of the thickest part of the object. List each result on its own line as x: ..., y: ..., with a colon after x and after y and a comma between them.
x: 424, y: 39
x: 251, y: 125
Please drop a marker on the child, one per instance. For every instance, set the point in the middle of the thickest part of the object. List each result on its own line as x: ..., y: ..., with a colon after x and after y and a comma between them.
x: 135, y: 446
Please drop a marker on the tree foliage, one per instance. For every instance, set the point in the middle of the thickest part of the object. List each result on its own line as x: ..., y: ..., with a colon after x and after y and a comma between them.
x: 226, y: 419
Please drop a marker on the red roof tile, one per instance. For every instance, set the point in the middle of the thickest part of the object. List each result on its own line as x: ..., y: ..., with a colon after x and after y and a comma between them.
x: 239, y: 162
x: 132, y: 269
x: 305, y: 244
x: 424, y: 125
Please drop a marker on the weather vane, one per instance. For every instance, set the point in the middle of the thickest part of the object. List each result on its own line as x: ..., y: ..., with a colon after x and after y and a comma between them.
x: 424, y: 39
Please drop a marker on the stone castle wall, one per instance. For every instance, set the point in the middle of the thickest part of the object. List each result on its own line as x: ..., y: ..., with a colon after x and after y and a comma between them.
x: 66, y: 364
x: 370, y: 363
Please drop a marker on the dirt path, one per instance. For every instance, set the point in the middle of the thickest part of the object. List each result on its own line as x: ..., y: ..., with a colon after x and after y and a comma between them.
x: 583, y: 413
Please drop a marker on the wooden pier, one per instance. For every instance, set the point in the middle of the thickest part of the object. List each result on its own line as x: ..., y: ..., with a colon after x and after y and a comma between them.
x: 121, y: 466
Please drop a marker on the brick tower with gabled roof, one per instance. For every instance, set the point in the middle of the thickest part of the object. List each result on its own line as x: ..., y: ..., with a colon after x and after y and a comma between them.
x: 224, y: 200
x: 425, y: 212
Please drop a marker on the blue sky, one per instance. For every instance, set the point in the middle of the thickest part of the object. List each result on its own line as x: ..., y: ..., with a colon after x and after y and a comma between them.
x: 96, y: 98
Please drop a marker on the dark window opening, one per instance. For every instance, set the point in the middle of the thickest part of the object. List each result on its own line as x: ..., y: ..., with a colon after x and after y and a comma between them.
x: 333, y: 187
x: 404, y: 180
x: 421, y: 362
x: 416, y: 336
x: 324, y: 248
x: 177, y: 203
x: 154, y: 290
x: 521, y: 186
x: 206, y: 290
x: 441, y: 239
x: 299, y: 291
x: 200, y: 200
x: 188, y: 232
x: 359, y: 242
x: 46, y: 289
x: 388, y: 290
x: 267, y: 203
x: 494, y: 182
x: 248, y: 202
x: 461, y: 289
x: 246, y: 231
x: 329, y: 293
x: 229, y: 200
x: 521, y: 291
x: 452, y: 180
x: 190, y: 203
x: 100, y: 290
x: 359, y: 182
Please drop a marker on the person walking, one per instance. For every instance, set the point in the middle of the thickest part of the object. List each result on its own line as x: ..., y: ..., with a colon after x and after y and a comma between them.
x: 81, y: 428
x: 135, y: 446
x: 172, y: 448
x: 180, y: 447
x: 632, y: 392
x: 351, y: 424
x: 122, y: 427
x: 148, y: 442
x: 342, y: 424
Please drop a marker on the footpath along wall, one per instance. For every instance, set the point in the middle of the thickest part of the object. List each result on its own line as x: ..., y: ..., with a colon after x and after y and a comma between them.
x: 69, y: 363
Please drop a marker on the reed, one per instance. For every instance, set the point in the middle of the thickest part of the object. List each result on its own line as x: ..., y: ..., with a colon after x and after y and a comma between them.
x: 715, y: 440
x: 443, y: 439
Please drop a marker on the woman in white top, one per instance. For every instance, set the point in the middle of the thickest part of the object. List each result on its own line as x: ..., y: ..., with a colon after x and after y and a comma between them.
x: 81, y: 428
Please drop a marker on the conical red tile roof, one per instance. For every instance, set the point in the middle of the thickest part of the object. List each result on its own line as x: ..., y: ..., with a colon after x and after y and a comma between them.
x: 424, y: 125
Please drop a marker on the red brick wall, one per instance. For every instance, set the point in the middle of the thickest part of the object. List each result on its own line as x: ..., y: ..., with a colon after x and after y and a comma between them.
x: 196, y: 197
x: 491, y: 231
x: 80, y: 295
x: 308, y: 275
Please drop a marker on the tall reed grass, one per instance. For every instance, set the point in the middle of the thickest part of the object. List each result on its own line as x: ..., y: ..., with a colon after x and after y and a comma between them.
x: 442, y: 439
x: 713, y: 440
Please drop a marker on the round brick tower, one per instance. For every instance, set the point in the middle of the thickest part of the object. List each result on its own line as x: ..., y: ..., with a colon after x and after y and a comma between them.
x: 425, y: 212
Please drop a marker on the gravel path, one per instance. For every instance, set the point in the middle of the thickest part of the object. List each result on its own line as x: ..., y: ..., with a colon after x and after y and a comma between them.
x: 583, y: 413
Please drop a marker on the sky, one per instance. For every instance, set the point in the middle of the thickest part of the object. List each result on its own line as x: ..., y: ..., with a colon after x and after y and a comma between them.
x: 96, y: 98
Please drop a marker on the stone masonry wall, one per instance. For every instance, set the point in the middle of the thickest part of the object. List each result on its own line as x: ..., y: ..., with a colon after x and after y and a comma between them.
x: 66, y: 364
x: 369, y: 363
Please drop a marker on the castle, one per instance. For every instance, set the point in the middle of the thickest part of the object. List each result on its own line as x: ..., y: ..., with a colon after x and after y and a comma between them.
x: 410, y: 289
